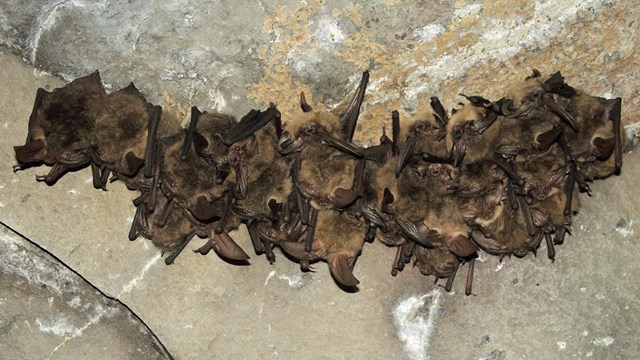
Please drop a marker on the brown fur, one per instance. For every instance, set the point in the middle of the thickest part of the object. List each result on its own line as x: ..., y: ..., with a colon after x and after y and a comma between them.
x: 61, y: 127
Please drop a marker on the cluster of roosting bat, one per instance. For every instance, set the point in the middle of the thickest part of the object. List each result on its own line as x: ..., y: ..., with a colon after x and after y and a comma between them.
x: 497, y: 176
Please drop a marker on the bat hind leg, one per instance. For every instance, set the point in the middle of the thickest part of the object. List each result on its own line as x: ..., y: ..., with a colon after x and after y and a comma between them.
x: 183, y: 243
x: 469, y: 285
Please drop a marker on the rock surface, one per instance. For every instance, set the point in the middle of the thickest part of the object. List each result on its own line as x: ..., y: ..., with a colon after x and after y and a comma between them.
x: 47, y: 310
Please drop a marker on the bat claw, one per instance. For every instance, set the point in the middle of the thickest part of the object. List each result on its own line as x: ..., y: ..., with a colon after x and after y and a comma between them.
x: 553, y: 106
x: 374, y: 217
x: 303, y: 103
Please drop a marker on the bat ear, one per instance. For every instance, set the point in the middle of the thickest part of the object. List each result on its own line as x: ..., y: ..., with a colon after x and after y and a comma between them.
x: 604, y: 147
x: 225, y: 246
x: 89, y: 83
x: 203, y: 210
x: 388, y: 196
x: 132, y: 163
x: 340, y: 268
x: 132, y: 90
x: 343, y: 197
x: 200, y: 144
x: 461, y: 245
x: 547, y: 138
x: 535, y: 74
x: 32, y: 151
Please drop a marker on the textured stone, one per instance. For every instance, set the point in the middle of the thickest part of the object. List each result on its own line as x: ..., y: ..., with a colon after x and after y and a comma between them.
x: 234, y: 56
x: 48, y: 311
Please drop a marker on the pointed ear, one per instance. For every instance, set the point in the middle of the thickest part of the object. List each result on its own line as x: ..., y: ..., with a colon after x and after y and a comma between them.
x: 132, y: 164
x: 604, y: 147
x: 548, y: 138
x: 200, y: 144
x: 203, y: 210
x: 344, y: 197
x: 32, y: 151
x: 225, y: 246
x: 340, y: 268
x: 461, y: 245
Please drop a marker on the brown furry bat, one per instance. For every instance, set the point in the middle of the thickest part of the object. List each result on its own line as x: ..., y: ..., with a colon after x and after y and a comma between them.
x: 494, y: 176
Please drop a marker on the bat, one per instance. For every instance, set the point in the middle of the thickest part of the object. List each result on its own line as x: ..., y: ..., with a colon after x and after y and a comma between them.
x: 427, y: 220
x: 493, y: 176
x: 61, y: 128
x: 328, y: 173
